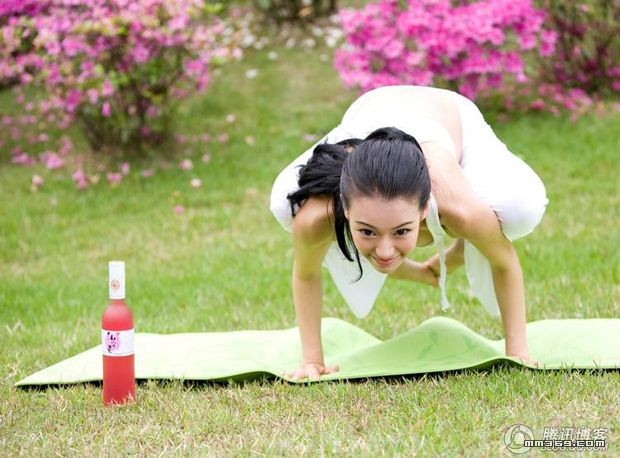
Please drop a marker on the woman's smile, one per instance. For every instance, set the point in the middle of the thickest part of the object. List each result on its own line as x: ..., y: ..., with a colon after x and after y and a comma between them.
x: 385, y: 262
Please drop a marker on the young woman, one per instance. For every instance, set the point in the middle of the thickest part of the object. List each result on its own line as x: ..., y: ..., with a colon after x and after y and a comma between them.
x: 406, y: 166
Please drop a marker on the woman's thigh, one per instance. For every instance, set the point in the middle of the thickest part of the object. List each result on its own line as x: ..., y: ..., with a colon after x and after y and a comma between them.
x: 502, y: 180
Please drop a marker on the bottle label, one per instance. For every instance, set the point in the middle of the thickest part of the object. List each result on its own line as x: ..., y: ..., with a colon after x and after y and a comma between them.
x: 117, y: 343
x: 116, y: 280
x: 117, y: 288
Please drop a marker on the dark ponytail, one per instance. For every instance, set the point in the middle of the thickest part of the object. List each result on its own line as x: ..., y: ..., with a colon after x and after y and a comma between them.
x: 389, y: 163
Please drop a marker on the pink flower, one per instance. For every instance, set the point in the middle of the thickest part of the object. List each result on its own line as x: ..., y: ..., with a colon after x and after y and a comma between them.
x: 146, y: 173
x: 145, y: 131
x: 105, y: 109
x: 66, y: 146
x: 93, y: 95
x: 107, y: 89
x: 52, y: 161
x: 206, y: 158
x: 36, y: 182
x: 223, y: 138
x: 196, y: 183
x: 178, y: 209
x: 231, y: 118
x: 114, y: 178
x: 152, y: 111
x: 310, y: 137
x: 23, y: 159
x: 125, y: 168
x: 186, y: 164
x: 80, y: 179
x: 140, y: 54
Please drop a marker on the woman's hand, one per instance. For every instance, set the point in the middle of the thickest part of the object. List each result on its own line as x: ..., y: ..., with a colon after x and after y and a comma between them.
x: 420, y: 272
x: 312, y: 371
x: 524, y: 357
x: 423, y: 272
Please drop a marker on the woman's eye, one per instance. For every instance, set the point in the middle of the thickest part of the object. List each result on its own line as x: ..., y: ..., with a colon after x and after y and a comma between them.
x: 366, y: 232
x: 403, y: 231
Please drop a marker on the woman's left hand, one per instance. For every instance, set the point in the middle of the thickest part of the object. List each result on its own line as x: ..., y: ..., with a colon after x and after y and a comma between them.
x: 422, y: 272
x: 525, y: 359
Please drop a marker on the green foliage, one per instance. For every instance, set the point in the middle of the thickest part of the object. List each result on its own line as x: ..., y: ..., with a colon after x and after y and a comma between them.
x: 295, y: 10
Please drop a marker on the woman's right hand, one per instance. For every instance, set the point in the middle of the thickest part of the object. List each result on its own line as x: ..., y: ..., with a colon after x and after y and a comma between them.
x: 312, y: 371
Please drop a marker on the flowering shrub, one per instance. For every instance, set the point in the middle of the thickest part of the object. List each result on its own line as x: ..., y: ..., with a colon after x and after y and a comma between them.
x: 18, y: 50
x: 114, y: 67
x: 471, y: 46
x: 11, y: 8
x: 584, y: 66
x: 588, y: 45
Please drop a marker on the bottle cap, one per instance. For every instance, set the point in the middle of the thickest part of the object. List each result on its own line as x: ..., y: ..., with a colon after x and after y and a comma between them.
x: 117, y: 279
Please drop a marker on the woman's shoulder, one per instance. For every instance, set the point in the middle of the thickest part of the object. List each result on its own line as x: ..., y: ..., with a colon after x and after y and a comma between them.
x: 449, y: 188
x: 313, y: 223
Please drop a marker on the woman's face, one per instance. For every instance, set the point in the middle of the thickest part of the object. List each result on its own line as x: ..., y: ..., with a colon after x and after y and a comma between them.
x: 384, y: 231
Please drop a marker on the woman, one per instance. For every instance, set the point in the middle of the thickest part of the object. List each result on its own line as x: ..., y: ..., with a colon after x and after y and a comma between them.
x: 428, y: 165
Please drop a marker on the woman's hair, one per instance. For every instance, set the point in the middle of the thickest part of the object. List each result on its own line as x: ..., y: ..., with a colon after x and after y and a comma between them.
x: 388, y: 164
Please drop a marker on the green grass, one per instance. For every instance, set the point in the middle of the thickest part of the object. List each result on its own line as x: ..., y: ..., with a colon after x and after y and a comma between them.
x: 225, y: 265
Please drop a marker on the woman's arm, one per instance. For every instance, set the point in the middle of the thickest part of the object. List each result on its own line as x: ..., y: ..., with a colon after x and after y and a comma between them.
x: 484, y: 231
x: 308, y: 298
x: 311, y: 240
x: 466, y: 217
x: 454, y: 258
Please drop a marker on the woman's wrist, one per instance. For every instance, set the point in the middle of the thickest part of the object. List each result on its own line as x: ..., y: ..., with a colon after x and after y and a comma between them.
x: 312, y: 357
x: 516, y: 344
x: 455, y: 256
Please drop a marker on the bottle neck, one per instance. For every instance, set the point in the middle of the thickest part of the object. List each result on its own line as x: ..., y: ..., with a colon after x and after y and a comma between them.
x: 117, y: 302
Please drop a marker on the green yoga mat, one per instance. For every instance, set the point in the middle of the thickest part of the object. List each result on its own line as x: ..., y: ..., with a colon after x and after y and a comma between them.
x: 438, y: 344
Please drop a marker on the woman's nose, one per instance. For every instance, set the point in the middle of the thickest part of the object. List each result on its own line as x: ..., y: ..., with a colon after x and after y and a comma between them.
x: 385, y: 250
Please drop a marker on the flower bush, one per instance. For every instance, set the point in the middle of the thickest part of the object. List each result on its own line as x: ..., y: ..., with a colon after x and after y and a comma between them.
x: 588, y: 45
x: 471, y: 46
x: 583, y: 70
x: 116, y: 68
x: 19, y: 47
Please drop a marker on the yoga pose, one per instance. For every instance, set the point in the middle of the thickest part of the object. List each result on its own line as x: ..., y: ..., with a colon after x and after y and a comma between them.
x: 407, y: 166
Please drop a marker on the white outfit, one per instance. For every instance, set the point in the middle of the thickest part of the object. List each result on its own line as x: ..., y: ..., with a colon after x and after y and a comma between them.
x: 498, y: 178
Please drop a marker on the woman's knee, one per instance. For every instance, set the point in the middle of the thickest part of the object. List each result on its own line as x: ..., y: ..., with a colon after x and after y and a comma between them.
x: 279, y: 204
x: 520, y: 215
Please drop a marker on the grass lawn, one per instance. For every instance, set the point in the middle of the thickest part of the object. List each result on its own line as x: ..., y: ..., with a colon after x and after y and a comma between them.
x: 225, y: 263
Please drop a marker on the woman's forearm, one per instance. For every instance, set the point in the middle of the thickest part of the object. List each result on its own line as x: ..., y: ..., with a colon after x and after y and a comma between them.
x: 454, y: 258
x: 308, y: 297
x: 510, y: 292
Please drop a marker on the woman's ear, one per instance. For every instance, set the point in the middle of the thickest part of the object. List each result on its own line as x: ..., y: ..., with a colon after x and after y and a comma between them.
x: 424, y: 211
